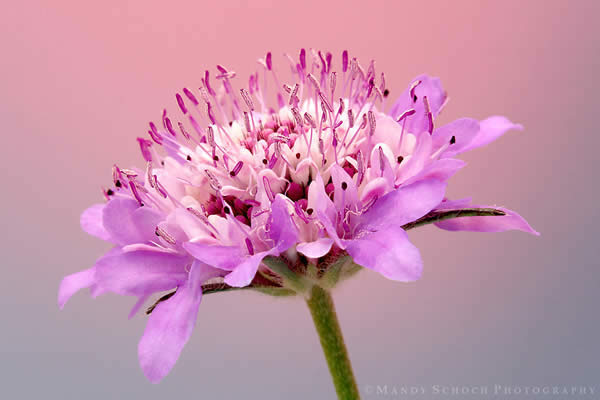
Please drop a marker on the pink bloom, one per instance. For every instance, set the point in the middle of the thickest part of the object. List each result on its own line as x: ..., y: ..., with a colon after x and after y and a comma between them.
x: 322, y: 173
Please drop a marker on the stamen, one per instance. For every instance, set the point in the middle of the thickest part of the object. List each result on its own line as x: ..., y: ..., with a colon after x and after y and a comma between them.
x: 381, y: 160
x: 135, y: 193
x: 149, y: 174
x: 169, y: 126
x: 405, y: 114
x: 325, y: 102
x: 214, y: 182
x: 190, y: 96
x: 300, y: 212
x: 314, y: 82
x: 236, y: 169
x: 269, y: 61
x: 247, y: 99
x: 413, y: 86
x: 268, y: 190
x: 303, y: 58
x: 309, y: 119
x: 429, y: 115
x: 360, y: 167
x: 159, y: 188
x: 145, y: 148
x: 332, y: 83
x: 180, y: 103
x: 372, y: 123
x: 183, y: 131
x: 249, y: 246
x: 247, y: 121
x: 160, y: 232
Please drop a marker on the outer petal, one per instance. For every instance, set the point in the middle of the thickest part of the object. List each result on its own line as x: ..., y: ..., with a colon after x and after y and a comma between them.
x: 464, y: 130
x: 140, y: 272
x: 128, y: 223
x: 315, y: 249
x: 510, y: 221
x: 281, y: 227
x: 71, y: 284
x: 170, y: 325
x: 388, y: 252
x: 491, y: 129
x: 403, y: 205
x: 441, y: 170
x: 91, y: 222
x: 243, y: 274
x: 224, y: 257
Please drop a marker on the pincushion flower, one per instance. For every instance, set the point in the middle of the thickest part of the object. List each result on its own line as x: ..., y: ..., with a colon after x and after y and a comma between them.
x: 282, y: 188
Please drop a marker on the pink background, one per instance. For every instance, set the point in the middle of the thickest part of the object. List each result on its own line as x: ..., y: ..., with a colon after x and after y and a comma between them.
x: 78, y: 83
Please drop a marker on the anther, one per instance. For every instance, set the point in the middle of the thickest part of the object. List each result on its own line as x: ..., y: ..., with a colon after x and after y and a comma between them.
x: 405, y: 114
x: 190, y: 96
x: 413, y: 86
x: 149, y: 174
x: 303, y: 58
x: 325, y: 102
x: 345, y: 61
x: 314, y: 81
x: 350, y: 118
x: 309, y: 119
x: 247, y: 121
x: 160, y: 232
x: 247, y: 99
x: 429, y: 115
x: 180, y: 103
x: 214, y: 182
x: 169, y: 126
x: 372, y: 123
x: 183, y: 131
x: 268, y: 190
x: 135, y: 192
x: 236, y: 169
x: 249, y: 246
x: 268, y: 61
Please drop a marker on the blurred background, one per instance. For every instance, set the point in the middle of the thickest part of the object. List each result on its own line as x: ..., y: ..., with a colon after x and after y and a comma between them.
x: 78, y: 83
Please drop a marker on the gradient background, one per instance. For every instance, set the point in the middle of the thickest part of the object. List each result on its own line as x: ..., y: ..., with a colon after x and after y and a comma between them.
x: 78, y: 83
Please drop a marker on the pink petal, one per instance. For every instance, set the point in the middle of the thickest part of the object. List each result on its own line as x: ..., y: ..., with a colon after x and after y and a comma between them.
x: 464, y: 130
x: 91, y: 222
x: 224, y: 257
x: 491, y: 129
x: 243, y: 274
x: 510, y: 221
x: 282, y: 229
x: 71, y: 284
x: 388, y: 252
x: 315, y: 249
x: 171, y: 324
x: 403, y: 205
x: 140, y: 272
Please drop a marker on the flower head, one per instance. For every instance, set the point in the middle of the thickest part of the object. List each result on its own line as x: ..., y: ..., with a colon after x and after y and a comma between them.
x: 309, y: 173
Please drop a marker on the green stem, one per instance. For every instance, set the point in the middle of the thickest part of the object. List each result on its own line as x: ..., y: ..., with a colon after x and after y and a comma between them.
x: 324, y: 316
